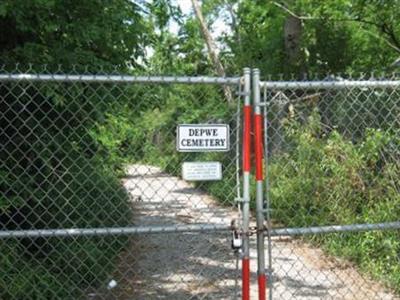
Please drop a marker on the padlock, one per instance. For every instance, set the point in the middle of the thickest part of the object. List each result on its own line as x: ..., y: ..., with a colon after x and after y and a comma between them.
x: 236, y: 240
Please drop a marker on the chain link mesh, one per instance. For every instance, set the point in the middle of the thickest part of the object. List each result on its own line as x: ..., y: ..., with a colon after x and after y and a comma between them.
x: 92, y: 204
x: 87, y: 160
x: 333, y: 159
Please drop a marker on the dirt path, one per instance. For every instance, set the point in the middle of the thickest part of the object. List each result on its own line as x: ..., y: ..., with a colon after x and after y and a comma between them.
x: 202, y: 265
x: 305, y: 272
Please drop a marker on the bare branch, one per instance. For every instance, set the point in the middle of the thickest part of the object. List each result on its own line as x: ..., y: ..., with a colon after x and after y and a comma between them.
x: 391, y: 45
x: 292, y: 13
x: 396, y: 63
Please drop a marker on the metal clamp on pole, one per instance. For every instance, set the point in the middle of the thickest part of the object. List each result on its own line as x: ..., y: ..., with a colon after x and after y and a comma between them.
x: 237, y: 242
x: 243, y: 94
x: 242, y: 200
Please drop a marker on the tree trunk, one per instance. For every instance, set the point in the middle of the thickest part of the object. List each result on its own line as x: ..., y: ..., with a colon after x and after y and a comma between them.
x: 234, y: 26
x: 219, y: 69
x: 292, y: 32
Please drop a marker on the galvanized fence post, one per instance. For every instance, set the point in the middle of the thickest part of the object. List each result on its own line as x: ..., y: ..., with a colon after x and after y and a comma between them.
x: 267, y: 198
x: 258, y: 150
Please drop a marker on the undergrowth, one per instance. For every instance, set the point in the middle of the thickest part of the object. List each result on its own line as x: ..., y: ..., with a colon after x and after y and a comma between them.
x: 324, y: 178
x: 52, y: 176
x: 320, y: 178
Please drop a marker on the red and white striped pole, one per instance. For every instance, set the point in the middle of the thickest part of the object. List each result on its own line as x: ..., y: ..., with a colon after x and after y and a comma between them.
x: 246, y: 185
x: 258, y: 151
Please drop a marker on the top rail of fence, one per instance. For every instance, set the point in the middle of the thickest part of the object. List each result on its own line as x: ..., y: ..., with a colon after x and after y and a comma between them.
x: 337, y: 84
x: 120, y: 78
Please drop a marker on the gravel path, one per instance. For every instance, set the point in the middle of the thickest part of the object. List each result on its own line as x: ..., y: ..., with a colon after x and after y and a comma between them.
x: 202, y: 265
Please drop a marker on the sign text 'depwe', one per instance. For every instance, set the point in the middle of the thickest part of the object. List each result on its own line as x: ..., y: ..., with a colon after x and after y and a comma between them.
x: 202, y: 137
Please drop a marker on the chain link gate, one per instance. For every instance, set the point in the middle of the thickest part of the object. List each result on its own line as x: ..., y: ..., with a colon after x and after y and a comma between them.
x: 331, y: 205
x: 92, y: 204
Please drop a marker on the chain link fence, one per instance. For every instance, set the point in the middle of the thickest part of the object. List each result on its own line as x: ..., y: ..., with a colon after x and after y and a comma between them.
x: 333, y: 150
x: 92, y: 203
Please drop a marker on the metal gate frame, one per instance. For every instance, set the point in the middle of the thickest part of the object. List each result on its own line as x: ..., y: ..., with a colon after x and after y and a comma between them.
x: 263, y: 205
x: 253, y: 122
x: 243, y: 84
x: 70, y: 232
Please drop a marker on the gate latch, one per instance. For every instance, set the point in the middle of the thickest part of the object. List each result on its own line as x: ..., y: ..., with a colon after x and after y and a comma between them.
x: 236, y: 240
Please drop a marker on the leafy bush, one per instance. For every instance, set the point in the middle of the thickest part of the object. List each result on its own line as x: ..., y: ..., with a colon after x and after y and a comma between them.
x: 52, y: 176
x: 319, y: 178
x: 325, y: 179
x: 82, y: 196
x: 146, y: 134
x: 201, y: 104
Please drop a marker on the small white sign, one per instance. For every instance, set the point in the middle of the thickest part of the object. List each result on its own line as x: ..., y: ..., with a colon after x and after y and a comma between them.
x: 202, y: 137
x: 201, y: 171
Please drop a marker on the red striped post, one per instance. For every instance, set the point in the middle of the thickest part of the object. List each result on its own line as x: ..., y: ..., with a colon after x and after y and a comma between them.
x: 258, y: 151
x: 246, y: 186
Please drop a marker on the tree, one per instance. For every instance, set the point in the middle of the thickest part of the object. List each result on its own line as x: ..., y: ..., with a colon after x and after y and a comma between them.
x: 71, y: 32
x: 212, y: 51
x: 48, y: 145
x: 365, y: 24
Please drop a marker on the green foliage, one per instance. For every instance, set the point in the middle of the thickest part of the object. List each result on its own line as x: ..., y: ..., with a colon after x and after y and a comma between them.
x: 58, y: 162
x: 336, y: 36
x: 68, y: 32
x: 152, y: 137
x: 326, y: 179
x: 64, y: 151
x: 259, y: 40
x: 53, y: 178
